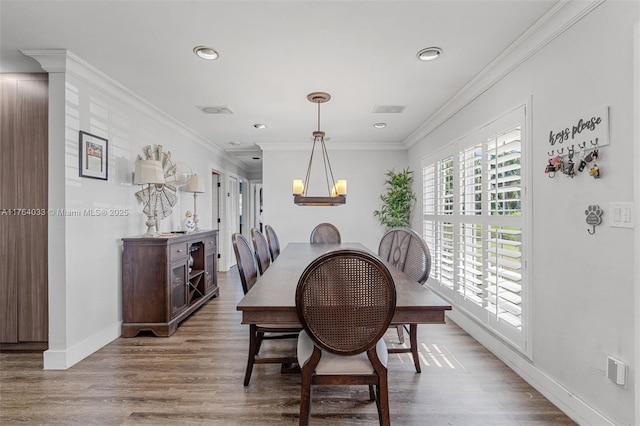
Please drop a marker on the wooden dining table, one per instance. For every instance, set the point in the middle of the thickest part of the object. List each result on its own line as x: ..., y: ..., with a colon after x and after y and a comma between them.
x: 272, y: 298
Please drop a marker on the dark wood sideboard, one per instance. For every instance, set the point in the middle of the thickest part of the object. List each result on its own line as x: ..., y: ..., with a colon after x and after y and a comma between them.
x: 165, y: 279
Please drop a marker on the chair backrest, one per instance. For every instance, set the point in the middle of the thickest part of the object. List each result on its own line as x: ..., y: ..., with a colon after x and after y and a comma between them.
x: 261, y: 249
x: 247, y: 266
x: 345, y: 300
x: 274, y: 244
x: 406, y: 251
x: 325, y: 233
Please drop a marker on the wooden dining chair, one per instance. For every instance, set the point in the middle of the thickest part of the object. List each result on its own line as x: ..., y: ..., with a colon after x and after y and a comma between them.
x: 261, y: 249
x: 248, y: 269
x: 345, y: 300
x: 274, y: 243
x: 325, y: 233
x: 407, y: 251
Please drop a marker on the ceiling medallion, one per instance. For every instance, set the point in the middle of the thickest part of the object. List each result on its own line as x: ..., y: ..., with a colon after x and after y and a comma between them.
x: 336, y: 190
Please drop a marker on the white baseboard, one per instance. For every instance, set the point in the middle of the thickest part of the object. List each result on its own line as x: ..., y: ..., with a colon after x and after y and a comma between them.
x: 62, y: 359
x: 569, y: 403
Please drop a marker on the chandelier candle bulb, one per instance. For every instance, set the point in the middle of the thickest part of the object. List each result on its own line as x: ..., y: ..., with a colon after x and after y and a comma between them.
x: 298, y: 187
x: 341, y: 187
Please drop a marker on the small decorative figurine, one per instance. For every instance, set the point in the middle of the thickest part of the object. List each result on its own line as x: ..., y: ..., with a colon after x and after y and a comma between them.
x: 188, y: 222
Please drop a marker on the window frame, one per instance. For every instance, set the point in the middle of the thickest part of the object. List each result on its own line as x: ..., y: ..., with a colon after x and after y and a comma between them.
x: 447, y: 282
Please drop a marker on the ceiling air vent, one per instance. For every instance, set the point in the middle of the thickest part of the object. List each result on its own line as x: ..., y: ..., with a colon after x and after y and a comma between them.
x: 215, y: 109
x: 388, y: 109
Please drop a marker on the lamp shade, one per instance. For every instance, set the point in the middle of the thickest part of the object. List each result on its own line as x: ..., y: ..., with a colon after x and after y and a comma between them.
x: 148, y: 171
x: 195, y: 184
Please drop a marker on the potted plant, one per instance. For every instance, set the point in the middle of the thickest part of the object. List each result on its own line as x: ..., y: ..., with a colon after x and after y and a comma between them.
x: 398, y: 200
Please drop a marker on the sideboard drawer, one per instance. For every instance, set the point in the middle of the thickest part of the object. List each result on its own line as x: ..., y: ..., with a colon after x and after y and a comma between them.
x: 178, y: 251
x: 210, y: 244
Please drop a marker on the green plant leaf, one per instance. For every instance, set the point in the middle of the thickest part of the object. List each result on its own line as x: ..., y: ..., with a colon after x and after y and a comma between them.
x: 397, y: 202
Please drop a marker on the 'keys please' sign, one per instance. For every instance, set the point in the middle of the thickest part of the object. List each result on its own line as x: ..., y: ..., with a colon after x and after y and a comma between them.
x: 586, y: 131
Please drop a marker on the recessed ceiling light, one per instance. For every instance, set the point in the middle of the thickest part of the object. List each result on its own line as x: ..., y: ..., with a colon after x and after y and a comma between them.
x: 260, y: 126
x: 380, y: 125
x: 429, y: 54
x: 206, y: 52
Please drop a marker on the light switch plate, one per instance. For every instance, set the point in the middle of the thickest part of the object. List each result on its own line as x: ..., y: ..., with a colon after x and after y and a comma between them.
x: 621, y: 214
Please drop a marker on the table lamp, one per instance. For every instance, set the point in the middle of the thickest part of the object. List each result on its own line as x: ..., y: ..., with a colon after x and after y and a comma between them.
x: 195, y: 185
x: 150, y: 173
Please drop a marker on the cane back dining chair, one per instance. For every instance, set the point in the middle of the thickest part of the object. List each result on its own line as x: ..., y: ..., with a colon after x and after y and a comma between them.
x: 407, y: 251
x: 261, y: 249
x: 345, y: 300
x: 274, y: 243
x: 248, y: 269
x: 325, y: 233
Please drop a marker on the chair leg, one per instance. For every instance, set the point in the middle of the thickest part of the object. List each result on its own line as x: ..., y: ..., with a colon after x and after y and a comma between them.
x: 413, y: 338
x: 400, y: 334
x: 383, y: 400
x: 252, y: 353
x: 372, y: 393
x: 305, y: 400
x: 306, y: 391
x: 259, y: 339
x: 378, y: 403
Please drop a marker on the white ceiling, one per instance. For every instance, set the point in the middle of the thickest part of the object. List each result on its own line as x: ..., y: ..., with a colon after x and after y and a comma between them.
x: 272, y: 54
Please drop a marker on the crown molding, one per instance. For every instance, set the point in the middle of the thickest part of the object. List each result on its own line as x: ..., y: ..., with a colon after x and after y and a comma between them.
x: 65, y: 61
x: 562, y: 16
x: 51, y: 60
x: 283, y: 146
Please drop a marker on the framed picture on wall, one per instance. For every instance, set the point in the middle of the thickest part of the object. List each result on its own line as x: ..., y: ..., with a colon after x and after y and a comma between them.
x: 94, y: 159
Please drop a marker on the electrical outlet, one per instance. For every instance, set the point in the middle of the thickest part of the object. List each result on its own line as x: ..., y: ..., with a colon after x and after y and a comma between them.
x: 616, y: 371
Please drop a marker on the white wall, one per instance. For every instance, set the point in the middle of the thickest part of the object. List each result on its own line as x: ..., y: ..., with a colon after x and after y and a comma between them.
x: 364, y: 172
x: 582, y: 287
x: 85, y: 251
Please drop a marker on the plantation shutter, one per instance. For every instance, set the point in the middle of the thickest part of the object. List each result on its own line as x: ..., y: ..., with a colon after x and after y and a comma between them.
x: 445, y: 191
x: 474, y: 224
x: 504, y: 260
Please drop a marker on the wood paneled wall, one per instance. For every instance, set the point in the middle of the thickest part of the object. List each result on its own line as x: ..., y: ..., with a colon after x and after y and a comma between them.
x: 23, y: 210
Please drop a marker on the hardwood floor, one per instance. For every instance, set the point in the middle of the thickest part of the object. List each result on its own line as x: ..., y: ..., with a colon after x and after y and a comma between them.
x: 195, y: 377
